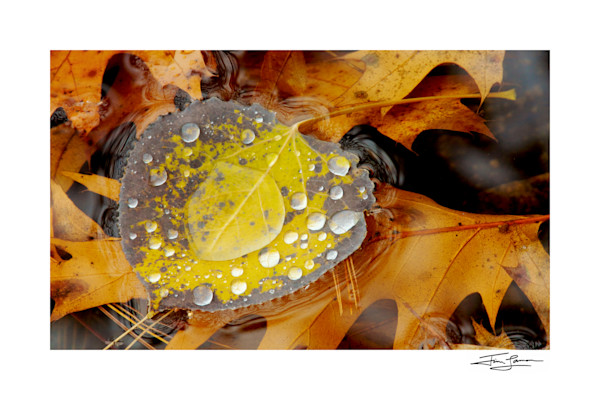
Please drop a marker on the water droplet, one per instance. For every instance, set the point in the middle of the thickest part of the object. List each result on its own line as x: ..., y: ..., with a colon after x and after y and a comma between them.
x: 132, y: 235
x: 147, y: 158
x: 169, y: 251
x: 237, y: 271
x: 322, y: 236
x: 132, y: 203
x: 336, y: 192
x: 277, y: 138
x: 365, y: 196
x: 188, y: 151
x: 158, y: 177
x: 164, y: 292
x: 343, y: 221
x: 190, y: 132
x: 151, y: 226
x: 290, y: 237
x: 268, y: 258
x: 295, y: 273
x: 298, y: 201
x: 271, y: 159
x: 303, y: 245
x: 304, y: 236
x: 331, y: 255
x: 202, y: 295
x: 258, y: 119
x: 172, y: 234
x: 248, y: 136
x: 238, y: 286
x: 339, y: 165
x: 155, y: 242
x: 153, y: 278
x: 315, y: 221
x: 309, y: 264
x: 311, y: 167
x: 361, y: 189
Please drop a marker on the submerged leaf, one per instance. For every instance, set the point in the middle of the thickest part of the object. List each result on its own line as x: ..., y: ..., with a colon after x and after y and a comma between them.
x: 221, y: 206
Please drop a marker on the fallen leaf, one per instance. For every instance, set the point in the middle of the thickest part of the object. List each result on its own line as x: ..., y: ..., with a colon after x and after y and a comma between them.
x: 68, y: 152
x: 68, y: 221
x: 102, y: 185
x: 485, y: 338
x: 232, y: 208
x: 97, y: 273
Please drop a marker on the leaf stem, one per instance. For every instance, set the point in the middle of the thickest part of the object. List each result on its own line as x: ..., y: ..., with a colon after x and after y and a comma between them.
x: 507, y: 94
x: 484, y: 225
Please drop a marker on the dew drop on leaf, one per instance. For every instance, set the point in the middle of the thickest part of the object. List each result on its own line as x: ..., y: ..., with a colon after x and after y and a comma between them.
x: 190, y: 132
x: 202, y: 295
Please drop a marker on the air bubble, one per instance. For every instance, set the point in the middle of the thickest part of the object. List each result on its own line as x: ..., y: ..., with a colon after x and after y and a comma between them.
x: 336, y: 193
x: 151, y: 226
x: 343, y: 221
x: 290, y: 237
x: 331, y: 255
x: 190, y: 132
x: 315, y: 221
x: 268, y: 258
x: 238, y: 286
x: 153, y: 278
x: 295, y: 273
x: 298, y: 201
x: 132, y: 202
x: 155, y: 242
x: 147, y: 158
x: 248, y: 136
x: 339, y: 165
x: 158, y: 177
x: 202, y: 295
x: 172, y: 234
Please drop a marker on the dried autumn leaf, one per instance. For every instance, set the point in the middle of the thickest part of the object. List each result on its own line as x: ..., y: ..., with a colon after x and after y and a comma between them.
x: 102, y: 185
x: 485, y: 338
x: 96, y: 273
x: 68, y: 152
x: 222, y: 206
x: 69, y: 222
x: 428, y: 259
x: 76, y: 78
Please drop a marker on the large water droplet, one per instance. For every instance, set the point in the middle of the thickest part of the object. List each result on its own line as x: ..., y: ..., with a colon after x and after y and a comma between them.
x: 339, y: 165
x: 290, y: 237
x: 132, y: 203
x: 151, y: 226
x: 158, y: 177
x: 343, y: 221
x: 248, y: 136
x: 268, y: 258
x: 155, y: 242
x: 315, y: 221
x: 153, y: 278
x: 295, y: 273
x: 336, y: 192
x: 238, y: 286
x: 298, y: 201
x: 331, y: 255
x: 202, y: 295
x: 190, y: 132
x: 147, y: 158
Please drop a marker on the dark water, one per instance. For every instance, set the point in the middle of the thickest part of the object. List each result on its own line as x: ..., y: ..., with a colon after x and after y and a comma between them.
x: 468, y: 172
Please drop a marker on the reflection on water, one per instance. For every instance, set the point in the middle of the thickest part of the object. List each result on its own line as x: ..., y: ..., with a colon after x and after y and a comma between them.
x: 457, y: 170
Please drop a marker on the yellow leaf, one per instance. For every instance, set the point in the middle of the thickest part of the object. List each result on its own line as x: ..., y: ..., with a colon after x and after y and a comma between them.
x: 232, y: 208
x: 104, y: 186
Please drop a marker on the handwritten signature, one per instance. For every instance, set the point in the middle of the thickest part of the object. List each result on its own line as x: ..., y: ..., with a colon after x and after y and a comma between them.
x: 504, y: 361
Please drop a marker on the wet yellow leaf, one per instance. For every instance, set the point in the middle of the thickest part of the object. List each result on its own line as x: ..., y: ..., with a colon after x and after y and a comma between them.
x: 221, y: 206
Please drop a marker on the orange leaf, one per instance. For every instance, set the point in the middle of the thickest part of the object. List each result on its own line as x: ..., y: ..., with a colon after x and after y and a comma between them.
x: 104, y: 186
x: 97, y: 273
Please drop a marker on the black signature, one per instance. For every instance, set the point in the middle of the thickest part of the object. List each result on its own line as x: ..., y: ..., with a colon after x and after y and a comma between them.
x: 504, y: 361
